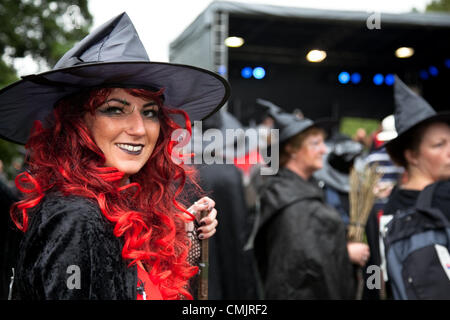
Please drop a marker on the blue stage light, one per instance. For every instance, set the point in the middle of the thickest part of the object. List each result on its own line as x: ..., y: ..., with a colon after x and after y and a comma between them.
x: 389, y: 79
x: 246, y: 72
x: 356, y: 78
x: 222, y: 70
x: 433, y: 71
x: 344, y: 77
x: 447, y: 63
x: 378, y: 79
x: 423, y: 74
x: 259, y: 73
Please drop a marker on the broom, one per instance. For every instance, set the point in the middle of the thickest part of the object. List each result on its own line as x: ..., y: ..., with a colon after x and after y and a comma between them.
x: 203, y: 266
x: 361, y: 197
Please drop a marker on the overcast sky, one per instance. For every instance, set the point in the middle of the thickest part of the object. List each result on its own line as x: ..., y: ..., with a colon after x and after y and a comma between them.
x: 160, y: 22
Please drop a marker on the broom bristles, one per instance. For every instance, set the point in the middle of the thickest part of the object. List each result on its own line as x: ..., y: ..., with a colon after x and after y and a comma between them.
x: 361, y: 197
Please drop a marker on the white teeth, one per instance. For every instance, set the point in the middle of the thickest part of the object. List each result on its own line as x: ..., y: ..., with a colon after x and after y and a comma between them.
x: 129, y: 147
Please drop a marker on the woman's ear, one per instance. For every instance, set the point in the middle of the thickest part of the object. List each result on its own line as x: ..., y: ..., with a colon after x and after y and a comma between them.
x: 411, y: 157
x: 290, y: 150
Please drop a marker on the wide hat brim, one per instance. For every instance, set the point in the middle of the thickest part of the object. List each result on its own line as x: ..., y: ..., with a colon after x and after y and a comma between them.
x: 294, y: 128
x: 332, y: 177
x: 197, y: 91
x: 442, y: 116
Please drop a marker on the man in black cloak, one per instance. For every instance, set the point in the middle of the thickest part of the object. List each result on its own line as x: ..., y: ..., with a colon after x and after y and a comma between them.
x: 230, y: 273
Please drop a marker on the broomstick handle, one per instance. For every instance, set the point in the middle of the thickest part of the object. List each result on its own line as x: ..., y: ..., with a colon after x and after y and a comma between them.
x: 203, y: 265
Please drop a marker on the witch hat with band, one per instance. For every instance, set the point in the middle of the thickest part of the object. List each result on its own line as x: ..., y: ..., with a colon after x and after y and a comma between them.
x: 110, y: 56
x: 411, y: 110
x: 338, y: 163
x: 288, y: 124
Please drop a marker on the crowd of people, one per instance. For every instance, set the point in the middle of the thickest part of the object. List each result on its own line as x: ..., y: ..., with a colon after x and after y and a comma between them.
x: 101, y: 195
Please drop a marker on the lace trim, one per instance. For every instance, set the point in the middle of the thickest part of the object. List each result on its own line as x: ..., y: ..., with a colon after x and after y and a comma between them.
x: 194, y: 258
x: 195, y: 251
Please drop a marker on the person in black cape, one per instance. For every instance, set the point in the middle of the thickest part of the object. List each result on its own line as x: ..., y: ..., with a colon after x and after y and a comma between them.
x: 100, y: 213
x: 300, y: 244
x: 422, y: 148
x: 231, y: 271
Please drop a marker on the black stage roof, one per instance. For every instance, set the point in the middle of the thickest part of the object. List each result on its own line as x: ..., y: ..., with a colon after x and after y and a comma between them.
x: 278, y: 38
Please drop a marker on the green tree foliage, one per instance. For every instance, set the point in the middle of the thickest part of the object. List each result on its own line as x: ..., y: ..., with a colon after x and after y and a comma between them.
x: 42, y: 29
x: 438, y: 6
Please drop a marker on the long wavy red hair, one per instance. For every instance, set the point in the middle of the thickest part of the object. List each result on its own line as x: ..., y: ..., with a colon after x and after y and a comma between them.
x: 64, y: 157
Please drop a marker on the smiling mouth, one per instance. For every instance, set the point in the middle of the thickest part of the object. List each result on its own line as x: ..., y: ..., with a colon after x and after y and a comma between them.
x: 130, y: 148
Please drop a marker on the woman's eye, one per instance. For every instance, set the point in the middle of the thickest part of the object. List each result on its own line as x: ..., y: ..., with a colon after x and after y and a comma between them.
x: 439, y: 144
x: 111, y: 110
x: 150, y: 113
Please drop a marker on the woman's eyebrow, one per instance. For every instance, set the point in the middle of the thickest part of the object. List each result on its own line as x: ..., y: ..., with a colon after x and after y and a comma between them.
x: 151, y: 103
x: 119, y: 100
x: 123, y: 101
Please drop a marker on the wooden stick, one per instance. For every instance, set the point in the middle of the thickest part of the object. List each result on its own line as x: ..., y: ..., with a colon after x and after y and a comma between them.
x: 203, y: 265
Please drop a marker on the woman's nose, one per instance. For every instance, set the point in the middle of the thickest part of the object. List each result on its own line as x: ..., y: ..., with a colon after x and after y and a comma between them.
x: 135, y: 125
x: 324, y: 148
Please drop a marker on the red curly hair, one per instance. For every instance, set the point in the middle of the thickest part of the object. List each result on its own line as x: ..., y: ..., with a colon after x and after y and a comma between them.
x: 64, y: 157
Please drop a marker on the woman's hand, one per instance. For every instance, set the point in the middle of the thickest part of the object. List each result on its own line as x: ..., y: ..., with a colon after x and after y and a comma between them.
x: 208, y: 223
x: 358, y: 252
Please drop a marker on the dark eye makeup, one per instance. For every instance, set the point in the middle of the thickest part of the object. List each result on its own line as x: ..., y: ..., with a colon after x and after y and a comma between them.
x: 112, y: 108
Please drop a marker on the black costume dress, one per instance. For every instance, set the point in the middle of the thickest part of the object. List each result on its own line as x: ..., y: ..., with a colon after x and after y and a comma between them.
x: 10, y: 238
x: 301, y: 247
x: 70, y: 238
x: 231, y: 271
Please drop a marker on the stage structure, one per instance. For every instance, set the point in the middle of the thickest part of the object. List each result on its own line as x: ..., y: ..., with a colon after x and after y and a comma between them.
x: 360, y: 52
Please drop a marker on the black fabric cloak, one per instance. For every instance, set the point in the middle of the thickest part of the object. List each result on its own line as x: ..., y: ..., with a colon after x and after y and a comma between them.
x: 67, y: 237
x: 10, y: 238
x: 301, y: 247
x: 231, y: 269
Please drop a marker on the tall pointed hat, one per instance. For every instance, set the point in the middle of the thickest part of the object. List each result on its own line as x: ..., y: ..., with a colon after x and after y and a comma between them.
x: 411, y: 109
x: 288, y: 124
x: 110, y: 56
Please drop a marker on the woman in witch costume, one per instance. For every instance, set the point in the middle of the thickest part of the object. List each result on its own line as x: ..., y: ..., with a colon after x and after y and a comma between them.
x: 102, y: 215
x: 422, y: 148
x: 300, y: 244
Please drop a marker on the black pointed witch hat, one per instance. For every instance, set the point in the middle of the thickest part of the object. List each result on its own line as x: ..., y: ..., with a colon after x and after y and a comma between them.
x: 411, y: 110
x: 288, y: 124
x: 112, y: 56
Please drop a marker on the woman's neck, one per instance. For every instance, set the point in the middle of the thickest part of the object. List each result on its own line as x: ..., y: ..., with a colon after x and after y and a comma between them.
x: 302, y: 173
x: 125, y: 180
x: 417, y: 181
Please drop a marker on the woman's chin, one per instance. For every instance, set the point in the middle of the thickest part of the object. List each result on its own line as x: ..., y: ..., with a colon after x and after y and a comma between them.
x: 129, y: 170
x: 318, y: 166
